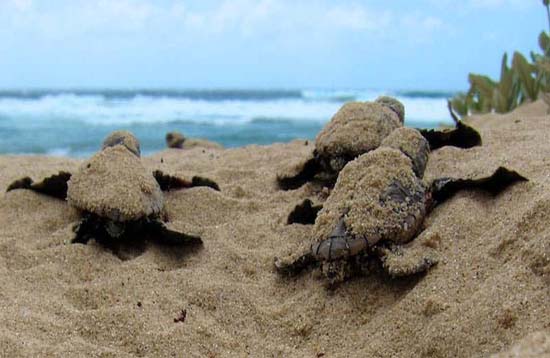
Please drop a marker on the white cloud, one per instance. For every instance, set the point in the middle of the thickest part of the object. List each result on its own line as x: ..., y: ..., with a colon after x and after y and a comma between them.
x: 279, y: 21
x: 226, y: 15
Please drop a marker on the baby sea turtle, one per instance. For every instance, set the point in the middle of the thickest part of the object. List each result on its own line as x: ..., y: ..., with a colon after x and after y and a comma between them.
x: 378, y: 206
x: 357, y: 128
x: 119, y: 200
x: 175, y: 140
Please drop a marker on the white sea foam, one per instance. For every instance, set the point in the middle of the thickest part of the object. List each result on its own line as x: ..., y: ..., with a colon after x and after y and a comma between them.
x: 426, y: 110
x: 62, y: 123
x: 59, y: 152
x: 318, y: 106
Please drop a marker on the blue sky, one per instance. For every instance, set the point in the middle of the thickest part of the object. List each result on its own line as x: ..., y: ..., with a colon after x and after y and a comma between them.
x: 398, y: 44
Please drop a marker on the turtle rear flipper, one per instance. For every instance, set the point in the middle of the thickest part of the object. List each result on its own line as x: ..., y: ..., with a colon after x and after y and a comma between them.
x: 54, y: 186
x: 161, y: 234
x: 169, y: 182
x: 408, y: 259
x: 444, y: 188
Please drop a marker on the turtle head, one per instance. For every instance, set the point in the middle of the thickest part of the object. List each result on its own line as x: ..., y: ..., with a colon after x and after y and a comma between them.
x: 394, y: 105
x: 124, y: 138
x: 175, y: 140
x: 339, y: 244
x: 411, y: 143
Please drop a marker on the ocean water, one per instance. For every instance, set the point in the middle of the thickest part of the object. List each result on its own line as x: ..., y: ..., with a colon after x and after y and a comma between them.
x: 74, y: 122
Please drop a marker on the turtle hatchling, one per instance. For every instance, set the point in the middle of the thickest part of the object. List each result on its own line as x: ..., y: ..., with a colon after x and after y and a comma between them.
x: 175, y: 140
x: 360, y: 127
x: 119, y: 200
x: 378, y: 206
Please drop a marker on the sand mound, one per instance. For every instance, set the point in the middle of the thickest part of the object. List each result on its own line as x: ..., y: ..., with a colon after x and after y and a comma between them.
x: 490, y: 289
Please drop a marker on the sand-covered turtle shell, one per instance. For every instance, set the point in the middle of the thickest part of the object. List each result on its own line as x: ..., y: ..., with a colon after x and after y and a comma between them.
x: 379, y: 196
x: 114, y: 184
x: 356, y: 128
x: 412, y: 144
x: 394, y: 104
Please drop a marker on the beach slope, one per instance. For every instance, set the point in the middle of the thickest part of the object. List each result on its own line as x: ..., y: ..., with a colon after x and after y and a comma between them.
x: 490, y: 290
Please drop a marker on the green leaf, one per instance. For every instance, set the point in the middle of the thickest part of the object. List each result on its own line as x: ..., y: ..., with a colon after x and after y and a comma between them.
x: 535, y: 56
x: 524, y: 70
x: 506, y: 92
x: 481, y: 92
x: 542, y: 70
x: 543, y: 66
x: 544, y: 43
x: 504, y: 70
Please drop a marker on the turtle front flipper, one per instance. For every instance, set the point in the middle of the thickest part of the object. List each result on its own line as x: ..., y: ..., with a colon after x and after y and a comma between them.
x: 309, y: 170
x: 54, y: 186
x: 293, y: 268
x: 202, y: 181
x: 90, y: 227
x: 161, y: 234
x: 169, y: 182
x: 462, y: 136
x: 304, y: 213
x: 408, y: 259
x: 444, y: 188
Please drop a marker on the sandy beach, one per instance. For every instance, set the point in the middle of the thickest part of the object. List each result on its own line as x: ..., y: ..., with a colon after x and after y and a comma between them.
x: 488, y: 295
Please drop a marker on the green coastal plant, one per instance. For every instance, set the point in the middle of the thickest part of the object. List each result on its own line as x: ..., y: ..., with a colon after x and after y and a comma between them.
x: 523, y: 81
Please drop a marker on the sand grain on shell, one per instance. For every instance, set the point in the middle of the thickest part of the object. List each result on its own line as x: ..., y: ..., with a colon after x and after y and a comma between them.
x: 356, y: 128
x: 114, y: 183
x: 490, y: 289
x: 413, y: 144
x: 358, y: 197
